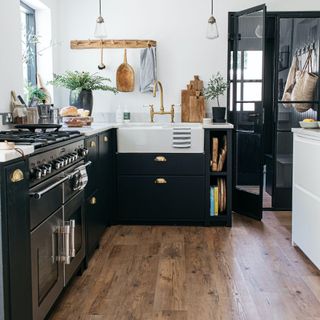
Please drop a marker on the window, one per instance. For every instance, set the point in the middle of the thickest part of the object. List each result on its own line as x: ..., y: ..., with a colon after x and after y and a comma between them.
x: 29, y: 44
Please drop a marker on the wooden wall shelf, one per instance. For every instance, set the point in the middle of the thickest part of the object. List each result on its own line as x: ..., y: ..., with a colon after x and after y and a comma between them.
x: 112, y: 44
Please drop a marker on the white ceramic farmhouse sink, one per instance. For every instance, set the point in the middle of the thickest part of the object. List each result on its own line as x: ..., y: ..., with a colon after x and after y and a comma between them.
x: 155, y: 138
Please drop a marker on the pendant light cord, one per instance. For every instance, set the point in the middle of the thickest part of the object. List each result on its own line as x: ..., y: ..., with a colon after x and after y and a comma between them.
x: 211, y: 7
x: 100, y: 8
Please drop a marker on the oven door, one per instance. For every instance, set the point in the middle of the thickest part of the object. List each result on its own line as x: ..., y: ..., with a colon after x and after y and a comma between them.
x: 47, y: 271
x: 74, y: 239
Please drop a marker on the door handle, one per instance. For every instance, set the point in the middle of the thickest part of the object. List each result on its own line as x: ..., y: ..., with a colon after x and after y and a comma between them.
x: 93, y: 201
x: 160, y: 181
x: 254, y: 115
x: 160, y: 159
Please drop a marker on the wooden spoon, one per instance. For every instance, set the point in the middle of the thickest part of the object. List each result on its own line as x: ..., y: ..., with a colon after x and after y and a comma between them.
x: 125, y: 76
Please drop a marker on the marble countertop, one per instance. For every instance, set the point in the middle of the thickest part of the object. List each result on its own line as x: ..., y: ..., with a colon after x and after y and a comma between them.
x: 7, y: 155
x: 307, y: 132
x: 95, y: 128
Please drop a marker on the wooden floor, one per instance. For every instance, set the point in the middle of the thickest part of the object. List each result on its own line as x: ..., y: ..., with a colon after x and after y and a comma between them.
x: 248, y: 272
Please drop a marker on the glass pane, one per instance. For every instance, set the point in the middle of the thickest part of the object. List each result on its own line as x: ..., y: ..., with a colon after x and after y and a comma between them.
x: 252, y: 69
x: 248, y: 162
x: 252, y: 91
x: 248, y: 107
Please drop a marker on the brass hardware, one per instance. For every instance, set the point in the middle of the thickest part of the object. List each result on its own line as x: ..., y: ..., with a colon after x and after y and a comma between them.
x: 93, y: 200
x: 105, y: 139
x: 16, y: 176
x: 162, y: 109
x: 160, y: 181
x: 160, y: 159
x: 93, y: 144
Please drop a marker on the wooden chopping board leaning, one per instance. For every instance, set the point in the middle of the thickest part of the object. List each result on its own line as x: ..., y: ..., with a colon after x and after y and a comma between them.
x: 125, y: 76
x: 193, y: 102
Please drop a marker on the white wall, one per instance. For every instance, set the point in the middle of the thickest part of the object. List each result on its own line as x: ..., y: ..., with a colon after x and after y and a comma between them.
x: 179, y: 27
x: 10, y: 52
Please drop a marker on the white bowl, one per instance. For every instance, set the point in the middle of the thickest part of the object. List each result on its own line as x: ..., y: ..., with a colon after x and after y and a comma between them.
x: 309, y: 125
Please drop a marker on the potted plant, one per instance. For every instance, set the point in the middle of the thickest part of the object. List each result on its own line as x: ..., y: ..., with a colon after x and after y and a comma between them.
x: 35, y: 95
x: 81, y: 85
x: 216, y: 87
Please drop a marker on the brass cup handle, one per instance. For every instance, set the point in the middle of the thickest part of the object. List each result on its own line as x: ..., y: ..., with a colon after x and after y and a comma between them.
x: 160, y: 159
x: 93, y: 200
x: 160, y: 181
x: 16, y: 176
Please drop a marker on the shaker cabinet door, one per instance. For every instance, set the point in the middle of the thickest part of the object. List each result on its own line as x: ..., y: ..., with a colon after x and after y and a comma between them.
x: 161, y: 199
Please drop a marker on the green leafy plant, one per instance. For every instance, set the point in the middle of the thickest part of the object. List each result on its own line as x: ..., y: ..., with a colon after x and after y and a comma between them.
x: 216, y: 87
x: 35, y: 93
x: 76, y: 80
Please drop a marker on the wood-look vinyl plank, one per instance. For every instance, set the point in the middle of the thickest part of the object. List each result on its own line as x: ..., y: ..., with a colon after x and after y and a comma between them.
x: 248, y: 272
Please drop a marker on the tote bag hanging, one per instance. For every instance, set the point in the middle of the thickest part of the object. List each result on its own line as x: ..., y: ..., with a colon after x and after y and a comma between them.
x: 304, y: 89
x: 291, y: 80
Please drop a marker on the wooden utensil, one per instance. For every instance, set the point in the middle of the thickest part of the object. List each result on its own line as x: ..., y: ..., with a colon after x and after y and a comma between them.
x: 185, y: 110
x: 196, y: 104
x: 125, y: 76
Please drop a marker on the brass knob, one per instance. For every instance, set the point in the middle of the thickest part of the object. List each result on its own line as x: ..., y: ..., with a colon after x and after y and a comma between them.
x: 93, y: 201
x: 160, y: 181
x: 105, y: 139
x: 16, y: 176
x: 93, y: 144
x: 160, y: 159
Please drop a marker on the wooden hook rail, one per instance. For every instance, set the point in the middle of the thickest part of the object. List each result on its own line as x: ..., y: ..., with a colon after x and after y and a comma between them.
x: 112, y: 44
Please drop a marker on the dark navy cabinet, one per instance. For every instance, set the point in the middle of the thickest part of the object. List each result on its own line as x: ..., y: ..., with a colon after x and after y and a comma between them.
x: 15, y: 265
x: 161, y: 188
x: 100, y: 188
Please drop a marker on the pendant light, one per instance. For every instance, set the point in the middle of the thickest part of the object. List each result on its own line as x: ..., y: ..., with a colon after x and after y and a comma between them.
x: 212, y: 28
x: 100, y: 31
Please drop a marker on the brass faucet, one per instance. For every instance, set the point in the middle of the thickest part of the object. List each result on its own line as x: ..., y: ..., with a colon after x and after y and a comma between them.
x: 162, y: 111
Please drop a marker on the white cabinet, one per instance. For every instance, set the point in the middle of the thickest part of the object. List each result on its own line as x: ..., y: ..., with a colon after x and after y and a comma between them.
x: 306, y: 195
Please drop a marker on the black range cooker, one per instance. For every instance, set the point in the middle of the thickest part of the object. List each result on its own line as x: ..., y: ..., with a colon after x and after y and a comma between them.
x: 57, y: 228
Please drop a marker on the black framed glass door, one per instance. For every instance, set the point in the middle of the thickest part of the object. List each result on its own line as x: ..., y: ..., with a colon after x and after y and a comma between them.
x: 247, y: 110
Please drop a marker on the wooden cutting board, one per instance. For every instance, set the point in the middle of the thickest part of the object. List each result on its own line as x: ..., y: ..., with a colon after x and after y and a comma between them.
x: 185, y: 110
x: 193, y: 102
x: 125, y: 76
x: 196, y: 107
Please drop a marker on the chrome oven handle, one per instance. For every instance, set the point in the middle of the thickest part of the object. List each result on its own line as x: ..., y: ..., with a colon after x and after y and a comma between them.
x: 38, y: 195
x: 66, y: 237
x: 77, y: 170
x: 72, y: 238
x: 53, y: 246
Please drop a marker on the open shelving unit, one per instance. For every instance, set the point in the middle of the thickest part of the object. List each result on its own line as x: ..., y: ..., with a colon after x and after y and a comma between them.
x: 222, y: 217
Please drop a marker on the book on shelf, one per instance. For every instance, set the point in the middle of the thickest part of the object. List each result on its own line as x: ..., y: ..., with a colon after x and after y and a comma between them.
x: 218, y: 197
x: 219, y: 155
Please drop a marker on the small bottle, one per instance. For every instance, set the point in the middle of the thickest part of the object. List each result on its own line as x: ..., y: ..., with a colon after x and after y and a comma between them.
x: 119, y: 115
x: 126, y: 115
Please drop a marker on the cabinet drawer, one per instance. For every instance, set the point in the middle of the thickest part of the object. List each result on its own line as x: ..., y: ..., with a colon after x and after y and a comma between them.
x: 161, y: 198
x: 165, y: 164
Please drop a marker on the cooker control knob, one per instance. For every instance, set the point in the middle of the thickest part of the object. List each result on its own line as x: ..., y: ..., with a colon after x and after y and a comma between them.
x: 83, y: 152
x: 37, y: 173
x: 43, y: 171
x: 61, y: 161
x: 48, y: 167
x: 57, y: 164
